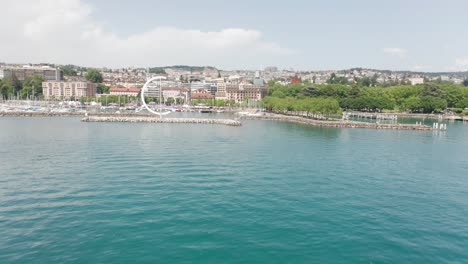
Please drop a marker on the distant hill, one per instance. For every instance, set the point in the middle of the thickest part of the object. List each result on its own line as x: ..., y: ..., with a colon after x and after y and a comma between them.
x: 180, y: 67
x: 461, y: 74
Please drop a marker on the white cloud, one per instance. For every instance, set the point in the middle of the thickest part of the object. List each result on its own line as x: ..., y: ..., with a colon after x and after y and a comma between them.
x: 63, y: 31
x: 395, y: 51
x: 420, y: 67
x: 461, y: 64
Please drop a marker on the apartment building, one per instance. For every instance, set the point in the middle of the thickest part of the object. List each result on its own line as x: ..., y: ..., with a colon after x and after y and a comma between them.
x: 68, y: 89
x: 47, y: 73
x: 242, y: 92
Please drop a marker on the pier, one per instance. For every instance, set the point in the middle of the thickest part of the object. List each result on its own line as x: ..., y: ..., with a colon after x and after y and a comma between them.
x: 396, y: 116
x: 336, y: 123
x: 148, y: 119
x: 378, y: 116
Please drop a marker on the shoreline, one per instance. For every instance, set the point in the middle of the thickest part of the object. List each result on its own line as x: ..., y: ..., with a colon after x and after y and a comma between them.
x: 337, y: 123
x: 147, y: 118
x: 408, y: 115
x: 360, y: 114
x: 69, y: 114
x: 151, y: 119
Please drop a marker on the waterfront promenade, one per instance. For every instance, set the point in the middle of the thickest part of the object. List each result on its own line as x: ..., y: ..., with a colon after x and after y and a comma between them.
x: 394, y: 116
x: 337, y: 123
x: 147, y: 118
x: 152, y: 119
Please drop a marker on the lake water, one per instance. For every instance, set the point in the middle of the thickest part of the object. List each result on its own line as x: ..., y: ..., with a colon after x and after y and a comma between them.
x: 266, y: 192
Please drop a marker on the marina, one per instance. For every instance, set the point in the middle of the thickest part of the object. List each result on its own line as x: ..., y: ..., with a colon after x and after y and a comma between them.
x: 216, y: 117
x: 337, y: 123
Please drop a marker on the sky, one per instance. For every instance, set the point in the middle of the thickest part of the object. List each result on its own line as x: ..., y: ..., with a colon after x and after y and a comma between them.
x: 417, y: 35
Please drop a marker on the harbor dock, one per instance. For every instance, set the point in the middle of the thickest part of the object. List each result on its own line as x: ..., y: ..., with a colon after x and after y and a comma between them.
x: 336, y: 123
x: 151, y: 119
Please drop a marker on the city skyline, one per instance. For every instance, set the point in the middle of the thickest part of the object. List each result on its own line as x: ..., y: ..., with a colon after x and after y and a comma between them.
x: 301, y: 35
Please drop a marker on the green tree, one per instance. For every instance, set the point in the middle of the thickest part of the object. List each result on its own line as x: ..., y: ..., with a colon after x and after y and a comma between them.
x: 32, y: 87
x: 364, y: 82
x: 68, y: 70
x: 432, y: 90
x: 311, y: 91
x: 7, y: 88
x: 220, y: 103
x: 102, y: 89
x: 337, y: 80
x: 179, y: 101
x: 413, y: 104
x: 317, y: 105
x: 94, y: 76
x: 17, y: 85
x: 157, y: 70
x: 278, y: 94
x: 170, y: 100
x: 433, y: 104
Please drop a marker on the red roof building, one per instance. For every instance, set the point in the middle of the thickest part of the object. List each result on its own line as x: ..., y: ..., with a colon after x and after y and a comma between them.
x: 296, y: 80
x: 124, y: 91
x: 202, y: 96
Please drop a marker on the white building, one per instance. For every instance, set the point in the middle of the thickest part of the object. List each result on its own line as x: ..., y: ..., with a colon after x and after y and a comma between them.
x: 416, y: 80
x: 176, y: 92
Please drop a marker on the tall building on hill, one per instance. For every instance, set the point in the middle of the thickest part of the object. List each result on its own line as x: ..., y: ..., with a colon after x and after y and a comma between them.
x: 47, y: 73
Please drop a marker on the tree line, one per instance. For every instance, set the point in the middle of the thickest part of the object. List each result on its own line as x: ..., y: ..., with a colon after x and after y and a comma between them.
x: 309, y: 105
x: 426, y: 98
x: 31, y: 87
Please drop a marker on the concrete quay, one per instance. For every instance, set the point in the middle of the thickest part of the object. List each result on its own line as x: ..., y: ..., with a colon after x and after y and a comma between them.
x: 337, y: 123
x: 40, y: 114
x: 147, y: 119
x: 394, y: 116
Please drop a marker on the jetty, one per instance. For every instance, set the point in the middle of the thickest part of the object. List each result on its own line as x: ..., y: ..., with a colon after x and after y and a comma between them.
x: 314, y: 120
x: 396, y: 116
x: 67, y: 114
x: 40, y: 114
x: 378, y: 116
x: 152, y: 119
x: 337, y: 123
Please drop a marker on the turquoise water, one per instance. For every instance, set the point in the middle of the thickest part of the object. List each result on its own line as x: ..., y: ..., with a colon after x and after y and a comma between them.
x: 266, y: 192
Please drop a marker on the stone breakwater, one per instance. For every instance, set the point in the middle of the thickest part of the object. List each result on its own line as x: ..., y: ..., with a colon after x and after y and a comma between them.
x: 337, y: 123
x: 140, y: 119
x: 39, y: 114
x: 67, y: 114
x: 404, y: 115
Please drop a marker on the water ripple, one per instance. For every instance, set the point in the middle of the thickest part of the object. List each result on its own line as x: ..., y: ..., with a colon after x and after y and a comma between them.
x: 267, y: 192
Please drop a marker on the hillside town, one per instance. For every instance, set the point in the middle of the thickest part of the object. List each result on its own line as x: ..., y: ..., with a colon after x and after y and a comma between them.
x: 182, y: 84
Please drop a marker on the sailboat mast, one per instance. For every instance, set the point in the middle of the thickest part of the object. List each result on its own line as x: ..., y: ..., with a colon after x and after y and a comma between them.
x: 160, y: 98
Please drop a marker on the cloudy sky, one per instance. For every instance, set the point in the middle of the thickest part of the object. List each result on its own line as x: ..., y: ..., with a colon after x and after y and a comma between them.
x: 422, y: 35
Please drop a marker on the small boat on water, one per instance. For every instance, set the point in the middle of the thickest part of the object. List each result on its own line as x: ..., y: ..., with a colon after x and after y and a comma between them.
x: 250, y: 113
x: 202, y: 108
